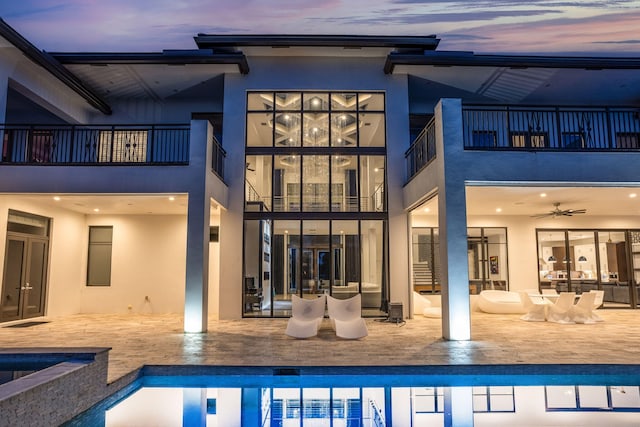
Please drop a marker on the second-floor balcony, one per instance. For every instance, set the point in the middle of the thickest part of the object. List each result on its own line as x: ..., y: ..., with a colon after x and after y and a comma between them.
x: 104, y: 145
x: 522, y: 128
x: 69, y: 145
x: 553, y: 128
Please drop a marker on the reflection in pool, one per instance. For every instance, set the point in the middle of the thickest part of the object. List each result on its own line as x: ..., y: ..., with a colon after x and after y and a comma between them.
x: 374, y: 401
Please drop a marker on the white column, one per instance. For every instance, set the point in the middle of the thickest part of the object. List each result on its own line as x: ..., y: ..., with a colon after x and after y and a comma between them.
x: 452, y: 218
x: 198, y: 218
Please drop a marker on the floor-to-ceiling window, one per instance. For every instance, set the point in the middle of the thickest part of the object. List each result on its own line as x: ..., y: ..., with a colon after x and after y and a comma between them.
x: 583, y: 260
x: 315, y: 200
x: 486, y: 257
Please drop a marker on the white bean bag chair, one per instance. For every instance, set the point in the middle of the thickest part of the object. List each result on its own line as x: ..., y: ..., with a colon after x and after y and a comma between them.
x: 500, y: 302
x: 422, y: 305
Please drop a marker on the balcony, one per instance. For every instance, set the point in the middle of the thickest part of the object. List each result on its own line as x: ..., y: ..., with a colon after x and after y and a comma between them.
x: 95, y: 145
x: 534, y: 129
x: 422, y: 151
x: 550, y: 129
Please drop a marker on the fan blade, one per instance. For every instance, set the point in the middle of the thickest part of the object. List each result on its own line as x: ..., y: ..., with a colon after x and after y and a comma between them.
x: 544, y: 215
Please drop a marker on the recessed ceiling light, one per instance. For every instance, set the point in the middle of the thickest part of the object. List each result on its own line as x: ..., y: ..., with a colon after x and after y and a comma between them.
x: 96, y: 210
x: 286, y: 231
x: 427, y: 209
x: 543, y: 194
x: 498, y: 210
x: 632, y: 195
x: 171, y: 198
x: 56, y: 198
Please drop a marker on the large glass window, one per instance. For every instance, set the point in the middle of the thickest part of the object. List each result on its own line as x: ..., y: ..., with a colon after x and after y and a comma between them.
x: 486, y: 256
x: 313, y: 159
x: 312, y: 257
x: 591, y: 260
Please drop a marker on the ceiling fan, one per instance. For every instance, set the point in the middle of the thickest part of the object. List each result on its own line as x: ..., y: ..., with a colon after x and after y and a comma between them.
x: 556, y: 212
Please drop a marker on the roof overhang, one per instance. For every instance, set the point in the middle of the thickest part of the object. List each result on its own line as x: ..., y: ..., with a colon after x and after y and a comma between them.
x: 450, y: 59
x: 166, y: 57
x: 54, y: 67
x: 399, y: 43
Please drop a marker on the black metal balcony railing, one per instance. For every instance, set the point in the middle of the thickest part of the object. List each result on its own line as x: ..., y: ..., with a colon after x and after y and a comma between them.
x: 553, y: 128
x: 422, y: 150
x: 217, y: 157
x: 81, y: 145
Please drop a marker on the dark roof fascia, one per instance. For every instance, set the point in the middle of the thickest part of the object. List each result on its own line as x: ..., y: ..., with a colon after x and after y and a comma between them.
x: 49, y: 63
x: 168, y: 57
x: 448, y: 59
x: 411, y: 43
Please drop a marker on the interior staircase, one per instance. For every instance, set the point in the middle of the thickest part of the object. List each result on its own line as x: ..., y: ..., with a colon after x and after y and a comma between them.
x: 423, y: 278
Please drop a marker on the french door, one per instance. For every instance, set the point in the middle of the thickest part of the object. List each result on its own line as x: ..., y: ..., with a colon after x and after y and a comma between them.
x: 25, y: 277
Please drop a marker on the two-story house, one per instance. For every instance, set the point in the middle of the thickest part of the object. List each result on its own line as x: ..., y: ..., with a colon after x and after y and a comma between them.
x: 219, y: 181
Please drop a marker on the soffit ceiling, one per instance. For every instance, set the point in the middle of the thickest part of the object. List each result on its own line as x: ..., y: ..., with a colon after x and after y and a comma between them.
x: 114, y: 204
x: 536, y: 85
x: 156, y: 81
x: 526, y: 201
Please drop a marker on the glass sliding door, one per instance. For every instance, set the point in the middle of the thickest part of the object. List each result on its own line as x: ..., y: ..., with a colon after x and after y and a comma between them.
x: 585, y: 260
x: 497, y: 272
x: 257, y: 292
x: 285, y: 264
x: 581, y: 263
x: 316, y: 259
x: 372, y: 264
x: 552, y: 260
x: 346, y: 251
x: 616, y: 276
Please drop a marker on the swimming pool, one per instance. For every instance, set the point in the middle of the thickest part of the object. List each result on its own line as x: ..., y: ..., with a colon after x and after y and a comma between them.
x: 529, y: 395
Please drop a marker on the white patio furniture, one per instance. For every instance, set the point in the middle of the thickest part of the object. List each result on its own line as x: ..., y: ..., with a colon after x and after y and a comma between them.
x: 559, y: 312
x: 582, y: 311
x: 535, y: 310
x: 500, y: 302
x: 306, y: 316
x: 422, y: 305
x: 346, y: 318
x: 597, y: 303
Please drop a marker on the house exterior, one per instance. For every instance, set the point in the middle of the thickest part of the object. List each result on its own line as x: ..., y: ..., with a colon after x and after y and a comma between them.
x: 217, y: 182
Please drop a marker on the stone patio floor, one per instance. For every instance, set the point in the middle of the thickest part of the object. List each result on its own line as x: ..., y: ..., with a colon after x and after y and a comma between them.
x: 138, y: 340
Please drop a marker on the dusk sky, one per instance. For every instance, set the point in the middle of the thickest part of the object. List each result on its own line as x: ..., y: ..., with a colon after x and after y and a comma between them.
x: 606, y: 27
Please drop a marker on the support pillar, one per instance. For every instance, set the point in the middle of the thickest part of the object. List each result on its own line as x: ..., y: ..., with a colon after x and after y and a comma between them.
x: 452, y: 218
x: 196, y: 296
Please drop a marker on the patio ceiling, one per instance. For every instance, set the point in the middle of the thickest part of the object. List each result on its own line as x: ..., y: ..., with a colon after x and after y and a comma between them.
x: 113, y: 204
x: 527, y: 201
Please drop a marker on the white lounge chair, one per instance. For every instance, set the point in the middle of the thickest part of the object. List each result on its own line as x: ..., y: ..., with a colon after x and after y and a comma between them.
x: 582, y: 311
x: 535, y: 311
x: 306, y: 316
x: 597, y: 303
x: 422, y: 305
x: 560, y: 311
x: 500, y: 302
x: 346, y: 318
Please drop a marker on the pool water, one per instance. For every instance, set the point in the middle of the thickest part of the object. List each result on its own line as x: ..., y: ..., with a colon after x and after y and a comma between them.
x: 375, y: 397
